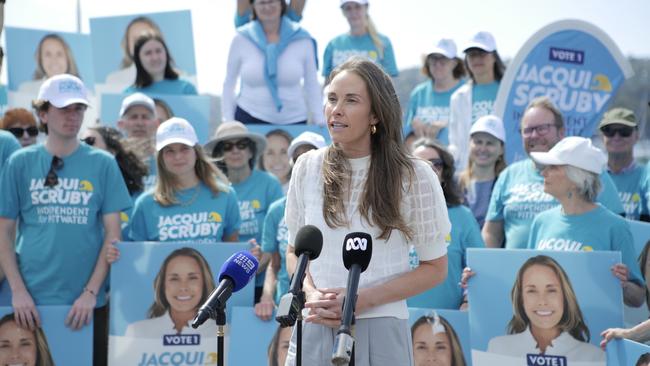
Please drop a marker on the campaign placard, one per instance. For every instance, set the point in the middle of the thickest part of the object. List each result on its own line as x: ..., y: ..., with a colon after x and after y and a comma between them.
x: 576, y: 65
x: 624, y: 352
x: 431, y: 328
x: 156, y: 289
x: 530, y: 307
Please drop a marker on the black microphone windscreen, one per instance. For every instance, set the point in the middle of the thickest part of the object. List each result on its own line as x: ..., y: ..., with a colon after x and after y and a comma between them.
x: 309, y: 239
x: 357, y: 249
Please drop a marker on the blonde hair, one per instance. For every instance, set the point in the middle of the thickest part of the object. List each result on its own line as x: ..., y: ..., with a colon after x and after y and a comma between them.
x: 43, y: 355
x: 127, y: 58
x: 160, y: 304
x: 465, y: 177
x: 374, y: 35
x: 167, y: 184
x: 389, y: 161
x: 572, y: 320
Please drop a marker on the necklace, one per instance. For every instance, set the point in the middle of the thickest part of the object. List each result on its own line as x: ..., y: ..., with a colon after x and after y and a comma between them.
x: 195, y: 195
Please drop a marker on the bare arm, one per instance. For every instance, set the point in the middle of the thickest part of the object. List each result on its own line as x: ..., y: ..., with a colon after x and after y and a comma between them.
x: 493, y: 234
x: 82, y: 309
x: 243, y: 6
x: 22, y: 302
x: 297, y: 6
x: 264, y: 308
x: 633, y: 294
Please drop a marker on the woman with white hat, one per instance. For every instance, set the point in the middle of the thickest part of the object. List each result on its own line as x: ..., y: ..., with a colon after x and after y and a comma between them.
x: 191, y: 200
x: 571, y: 171
x: 476, y: 98
x: 428, y: 109
x: 362, y: 40
x: 486, y: 161
x: 236, y: 151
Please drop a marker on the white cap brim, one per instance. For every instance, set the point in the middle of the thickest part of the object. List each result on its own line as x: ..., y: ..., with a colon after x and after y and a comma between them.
x: 174, y: 140
x: 70, y: 101
x: 546, y: 158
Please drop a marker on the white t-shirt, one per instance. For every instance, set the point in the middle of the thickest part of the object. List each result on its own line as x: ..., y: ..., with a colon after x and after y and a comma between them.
x: 423, y: 208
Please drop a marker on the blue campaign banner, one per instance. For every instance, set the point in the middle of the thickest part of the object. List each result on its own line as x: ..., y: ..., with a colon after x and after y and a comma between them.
x: 572, y: 62
x: 624, y: 352
x: 458, y: 337
x: 34, y: 55
x: 293, y: 130
x: 548, y: 288
x: 53, y: 340
x: 154, y: 287
x: 110, y: 38
x: 250, y: 337
x: 194, y: 108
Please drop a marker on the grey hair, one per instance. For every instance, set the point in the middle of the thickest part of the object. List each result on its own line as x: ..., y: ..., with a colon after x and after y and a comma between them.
x: 588, y: 183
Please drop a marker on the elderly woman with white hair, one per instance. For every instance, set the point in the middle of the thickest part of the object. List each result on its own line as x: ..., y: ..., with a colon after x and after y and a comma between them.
x: 570, y: 170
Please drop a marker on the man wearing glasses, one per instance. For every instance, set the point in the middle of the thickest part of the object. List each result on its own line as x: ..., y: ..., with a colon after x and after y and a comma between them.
x: 66, y: 197
x: 518, y: 195
x: 619, y: 130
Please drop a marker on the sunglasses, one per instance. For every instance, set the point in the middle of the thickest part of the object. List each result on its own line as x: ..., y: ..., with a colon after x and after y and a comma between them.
x: 438, y: 164
x: 51, y: 179
x: 90, y: 140
x: 20, y: 132
x: 623, y: 131
x: 240, y: 144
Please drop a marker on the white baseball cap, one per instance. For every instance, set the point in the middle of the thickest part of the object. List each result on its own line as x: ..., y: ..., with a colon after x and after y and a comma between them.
x: 137, y: 99
x: 575, y: 151
x: 445, y: 47
x: 306, y: 138
x: 175, y: 130
x: 482, y: 40
x: 361, y: 2
x: 489, y: 124
x: 63, y: 90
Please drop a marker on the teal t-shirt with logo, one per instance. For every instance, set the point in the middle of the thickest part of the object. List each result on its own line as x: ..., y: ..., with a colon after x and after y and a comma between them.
x: 275, y: 238
x: 60, y: 229
x: 518, y: 196
x: 598, y: 229
x: 483, y: 97
x: 465, y: 233
x: 165, y: 86
x: 8, y: 144
x: 428, y: 106
x: 255, y: 194
x: 629, y: 186
x: 344, y: 46
x: 198, y: 217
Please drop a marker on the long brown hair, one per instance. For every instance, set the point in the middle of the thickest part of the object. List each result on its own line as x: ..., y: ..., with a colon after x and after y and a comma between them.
x: 457, y: 356
x: 389, y: 161
x: 572, y: 320
x: 71, y: 69
x: 43, y: 355
x: 166, y: 185
x: 448, y: 182
x: 160, y: 304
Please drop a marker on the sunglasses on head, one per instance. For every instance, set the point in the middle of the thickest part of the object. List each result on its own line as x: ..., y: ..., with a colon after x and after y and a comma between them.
x: 51, y: 179
x: 90, y: 140
x: 623, y: 131
x: 20, y: 132
x: 240, y: 144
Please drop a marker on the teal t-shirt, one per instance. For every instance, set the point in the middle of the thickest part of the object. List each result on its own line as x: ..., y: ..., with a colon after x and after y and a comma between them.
x: 256, y: 194
x: 518, y: 196
x: 275, y: 238
x: 343, y: 47
x: 8, y: 144
x: 198, y: 217
x: 165, y: 86
x: 152, y: 173
x: 428, y: 106
x: 465, y: 233
x: 483, y: 97
x: 598, y: 229
x: 4, y: 102
x: 60, y: 229
x: 629, y: 186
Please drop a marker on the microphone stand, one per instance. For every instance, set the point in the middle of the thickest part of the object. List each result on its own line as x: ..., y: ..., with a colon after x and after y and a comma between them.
x: 301, y: 301
x: 220, y: 319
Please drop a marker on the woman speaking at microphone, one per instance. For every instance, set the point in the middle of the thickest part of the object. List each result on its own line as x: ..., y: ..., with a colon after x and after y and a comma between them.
x: 365, y: 181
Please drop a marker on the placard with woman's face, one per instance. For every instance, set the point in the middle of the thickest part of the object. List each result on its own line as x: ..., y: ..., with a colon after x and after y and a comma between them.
x: 529, y: 306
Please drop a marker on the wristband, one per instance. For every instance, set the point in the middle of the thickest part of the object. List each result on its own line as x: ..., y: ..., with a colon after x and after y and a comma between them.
x: 86, y: 289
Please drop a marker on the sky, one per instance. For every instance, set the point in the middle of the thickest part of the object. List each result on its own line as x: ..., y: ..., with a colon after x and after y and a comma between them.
x: 412, y: 25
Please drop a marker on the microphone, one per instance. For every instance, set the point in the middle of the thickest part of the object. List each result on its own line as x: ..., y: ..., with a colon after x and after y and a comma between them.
x: 235, y: 274
x: 357, y: 251
x: 309, y: 242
